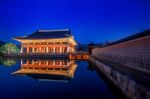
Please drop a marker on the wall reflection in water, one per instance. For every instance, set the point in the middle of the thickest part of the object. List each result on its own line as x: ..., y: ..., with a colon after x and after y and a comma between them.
x: 57, y: 70
x: 134, y: 84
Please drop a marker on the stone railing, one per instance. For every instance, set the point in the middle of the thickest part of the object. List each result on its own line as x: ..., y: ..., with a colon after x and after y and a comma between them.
x: 133, y: 53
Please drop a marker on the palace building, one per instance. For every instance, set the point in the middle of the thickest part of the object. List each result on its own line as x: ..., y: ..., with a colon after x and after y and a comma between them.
x: 48, y: 41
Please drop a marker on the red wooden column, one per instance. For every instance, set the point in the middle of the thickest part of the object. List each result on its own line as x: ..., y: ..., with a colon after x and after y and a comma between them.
x: 27, y: 49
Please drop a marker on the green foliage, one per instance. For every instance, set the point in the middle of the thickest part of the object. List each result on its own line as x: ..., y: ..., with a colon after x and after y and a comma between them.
x: 9, y: 48
x: 1, y: 54
x: 8, y: 62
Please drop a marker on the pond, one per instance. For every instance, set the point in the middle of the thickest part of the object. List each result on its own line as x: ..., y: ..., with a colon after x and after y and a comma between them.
x: 47, y: 78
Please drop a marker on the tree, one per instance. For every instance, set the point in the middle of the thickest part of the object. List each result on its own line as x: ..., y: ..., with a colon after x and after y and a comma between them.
x: 9, y: 48
x: 1, y: 54
x: 8, y: 62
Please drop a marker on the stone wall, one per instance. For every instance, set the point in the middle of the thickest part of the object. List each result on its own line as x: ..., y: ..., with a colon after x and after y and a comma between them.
x: 124, y: 81
x: 134, y: 53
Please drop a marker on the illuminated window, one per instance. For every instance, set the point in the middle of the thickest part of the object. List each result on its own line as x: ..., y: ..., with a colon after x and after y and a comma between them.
x: 64, y: 42
x: 24, y: 43
x: 43, y: 43
x: 57, y: 43
x: 50, y: 43
x: 30, y: 43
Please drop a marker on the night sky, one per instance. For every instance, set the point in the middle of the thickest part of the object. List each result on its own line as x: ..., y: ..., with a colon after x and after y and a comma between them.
x: 90, y: 20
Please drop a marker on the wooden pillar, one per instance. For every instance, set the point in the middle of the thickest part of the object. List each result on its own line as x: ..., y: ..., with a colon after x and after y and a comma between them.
x: 21, y: 51
x: 27, y: 49
x: 50, y: 50
x: 32, y: 62
x: 73, y: 48
x: 60, y: 49
x: 60, y: 62
x: 32, y: 49
x: 21, y: 62
x: 54, y: 50
x: 67, y: 49
x: 46, y: 49
x: 27, y: 62
x: 70, y: 49
x: 46, y: 62
x: 40, y: 50
x: 54, y: 62
x: 39, y: 62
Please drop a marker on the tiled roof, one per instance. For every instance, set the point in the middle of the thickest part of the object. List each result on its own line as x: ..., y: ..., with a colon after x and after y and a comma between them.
x: 132, y: 37
x: 47, y: 34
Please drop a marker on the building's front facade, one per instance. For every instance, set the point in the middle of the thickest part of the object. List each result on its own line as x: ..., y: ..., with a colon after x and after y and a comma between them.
x: 48, y: 41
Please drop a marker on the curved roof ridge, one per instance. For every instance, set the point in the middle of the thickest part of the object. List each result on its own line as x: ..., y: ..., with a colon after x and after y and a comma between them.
x: 53, y: 30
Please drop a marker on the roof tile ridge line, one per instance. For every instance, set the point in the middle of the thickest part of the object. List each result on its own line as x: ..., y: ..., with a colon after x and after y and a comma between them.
x: 53, y: 30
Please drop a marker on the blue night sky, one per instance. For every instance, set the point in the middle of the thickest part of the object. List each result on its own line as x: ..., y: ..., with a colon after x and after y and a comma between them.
x: 89, y: 20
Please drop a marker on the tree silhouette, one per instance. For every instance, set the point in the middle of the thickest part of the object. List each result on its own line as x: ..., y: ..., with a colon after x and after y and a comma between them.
x: 9, y: 48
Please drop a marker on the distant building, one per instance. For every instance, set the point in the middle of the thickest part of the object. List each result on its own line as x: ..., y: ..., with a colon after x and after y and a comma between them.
x: 82, y: 47
x: 48, y: 41
x: 90, y: 47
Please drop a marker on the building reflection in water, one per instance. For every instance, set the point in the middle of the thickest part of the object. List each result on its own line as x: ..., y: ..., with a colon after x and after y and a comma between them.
x: 57, y: 70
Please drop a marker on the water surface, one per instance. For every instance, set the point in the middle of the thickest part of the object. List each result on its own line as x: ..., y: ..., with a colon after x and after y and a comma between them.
x: 45, y: 79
